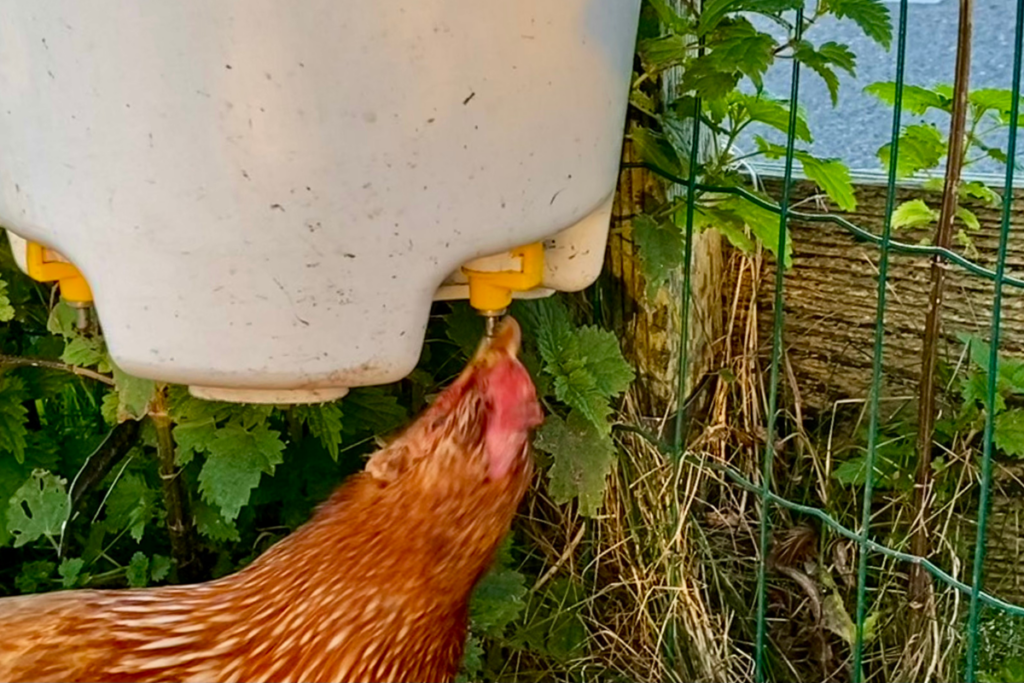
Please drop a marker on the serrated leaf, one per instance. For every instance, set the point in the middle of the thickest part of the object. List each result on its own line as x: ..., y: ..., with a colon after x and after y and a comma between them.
x: 138, y: 570
x: 916, y: 100
x: 62, y: 320
x: 582, y: 458
x: 913, y: 214
x: 6, y: 309
x: 725, y: 222
x: 34, y: 575
x: 832, y: 176
x: 134, y: 394
x: 39, y: 508
x: 870, y: 15
x: 603, y: 359
x: 654, y: 149
x: 994, y: 99
x: 764, y: 224
x: 211, y: 524
x: 86, y: 352
x: 324, y: 422
x: 713, y: 11
x: 664, y: 52
x: 1008, y: 432
x: 774, y: 113
x: 193, y: 437
x: 661, y: 247
x: 976, y: 189
x: 735, y: 49
x: 70, y: 569
x: 373, y: 410
x: 921, y: 148
x: 823, y: 59
x: 497, y: 601
x: 236, y: 460
x: 12, y: 417
x: 131, y: 504
x: 968, y: 218
x: 464, y: 327
x: 159, y: 568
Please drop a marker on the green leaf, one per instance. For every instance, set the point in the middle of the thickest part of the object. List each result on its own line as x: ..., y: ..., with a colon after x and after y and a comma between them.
x: 822, y: 59
x: 193, y: 437
x: 995, y: 99
x: 39, y: 508
x: 373, y: 410
x: 212, y: 524
x: 727, y: 223
x: 660, y: 248
x: 921, y: 148
x: 583, y: 457
x: 236, y: 459
x: 654, y: 149
x: 62, y: 320
x: 870, y: 15
x: 832, y: 176
x: 1008, y: 432
x: 6, y: 309
x: 976, y: 189
x: 774, y: 113
x: 70, y: 569
x: 663, y: 52
x: 913, y: 214
x: 159, y: 568
x: 134, y: 394
x: 714, y: 11
x: 968, y: 218
x: 734, y: 49
x: 131, y: 505
x: 324, y: 422
x: 138, y: 570
x: 603, y: 359
x: 916, y: 100
x: 762, y: 222
x: 465, y: 327
x: 34, y: 575
x: 12, y: 417
x: 497, y: 601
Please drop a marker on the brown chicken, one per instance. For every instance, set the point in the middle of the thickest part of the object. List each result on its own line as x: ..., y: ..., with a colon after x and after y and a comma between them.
x: 375, y: 587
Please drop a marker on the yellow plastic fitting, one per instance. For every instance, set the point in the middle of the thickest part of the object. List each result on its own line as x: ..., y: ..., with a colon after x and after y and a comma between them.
x: 44, y: 267
x: 492, y: 290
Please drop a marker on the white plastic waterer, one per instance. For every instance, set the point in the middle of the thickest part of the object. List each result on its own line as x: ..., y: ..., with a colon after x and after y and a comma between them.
x: 265, y: 197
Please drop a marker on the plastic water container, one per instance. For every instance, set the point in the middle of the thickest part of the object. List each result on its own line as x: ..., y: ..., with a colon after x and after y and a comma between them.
x: 265, y: 197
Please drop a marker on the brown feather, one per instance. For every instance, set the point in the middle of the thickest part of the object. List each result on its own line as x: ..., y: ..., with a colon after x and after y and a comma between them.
x: 374, y: 588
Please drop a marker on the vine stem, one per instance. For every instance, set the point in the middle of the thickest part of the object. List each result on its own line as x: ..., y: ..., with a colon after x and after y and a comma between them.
x: 179, y: 526
x: 920, y: 586
x: 20, y: 362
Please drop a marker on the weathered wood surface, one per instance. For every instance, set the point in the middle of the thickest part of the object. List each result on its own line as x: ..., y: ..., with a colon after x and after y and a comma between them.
x: 831, y: 299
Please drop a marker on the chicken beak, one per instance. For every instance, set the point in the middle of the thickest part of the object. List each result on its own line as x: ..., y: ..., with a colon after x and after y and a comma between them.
x: 503, y: 343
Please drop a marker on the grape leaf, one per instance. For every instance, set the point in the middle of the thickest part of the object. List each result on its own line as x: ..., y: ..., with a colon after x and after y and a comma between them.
x: 138, y: 570
x: 921, y: 148
x: 660, y: 247
x: 70, y: 569
x: 212, y: 524
x: 654, y: 149
x: 833, y: 176
x: 713, y: 11
x: 912, y: 214
x: 194, y: 436
x: 916, y: 99
x: 735, y: 49
x: 12, y: 417
x: 975, y: 189
x: 762, y: 222
x: 131, y: 504
x: 774, y: 113
x: 583, y: 457
x: 870, y: 15
x: 324, y: 422
x: 968, y: 218
x: 85, y: 352
x: 822, y: 59
x: 134, y: 394
x: 236, y: 459
x: 1008, y: 432
x: 39, y: 508
x: 663, y: 52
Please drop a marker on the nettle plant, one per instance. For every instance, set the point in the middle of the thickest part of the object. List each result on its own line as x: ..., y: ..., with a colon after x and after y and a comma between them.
x: 924, y: 147
x: 721, y: 57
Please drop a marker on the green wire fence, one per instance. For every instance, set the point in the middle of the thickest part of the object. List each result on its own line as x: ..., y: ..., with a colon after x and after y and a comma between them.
x: 886, y: 245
